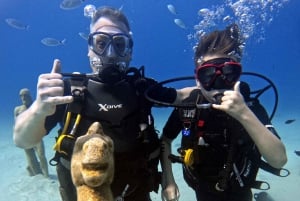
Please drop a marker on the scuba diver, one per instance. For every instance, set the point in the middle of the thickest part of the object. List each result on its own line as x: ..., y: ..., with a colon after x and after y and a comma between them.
x: 225, y: 134
x: 113, y: 94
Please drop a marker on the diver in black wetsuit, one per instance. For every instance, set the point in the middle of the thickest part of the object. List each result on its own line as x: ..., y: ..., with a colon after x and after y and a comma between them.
x: 222, y: 143
x: 110, y: 95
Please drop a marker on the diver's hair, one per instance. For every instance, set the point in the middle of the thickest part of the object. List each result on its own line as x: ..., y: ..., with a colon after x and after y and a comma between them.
x: 227, y: 41
x: 115, y: 15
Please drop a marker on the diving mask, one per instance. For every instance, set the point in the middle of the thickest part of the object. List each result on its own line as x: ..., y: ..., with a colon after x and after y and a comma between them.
x: 220, y: 73
x: 99, y: 43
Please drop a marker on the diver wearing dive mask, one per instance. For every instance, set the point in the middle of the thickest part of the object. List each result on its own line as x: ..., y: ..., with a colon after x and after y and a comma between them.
x: 217, y: 75
x: 112, y: 53
x: 221, y: 145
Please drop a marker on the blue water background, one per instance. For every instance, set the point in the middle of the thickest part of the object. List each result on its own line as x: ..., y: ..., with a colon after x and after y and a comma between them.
x: 159, y: 44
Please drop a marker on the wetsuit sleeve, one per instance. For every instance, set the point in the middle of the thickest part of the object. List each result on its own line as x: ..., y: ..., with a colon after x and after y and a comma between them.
x: 173, y: 126
x: 263, y: 116
x: 159, y: 92
x: 164, y: 94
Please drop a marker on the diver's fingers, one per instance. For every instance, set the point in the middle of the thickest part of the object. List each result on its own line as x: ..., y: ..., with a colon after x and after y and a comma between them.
x: 50, y: 80
x: 56, y: 68
x: 58, y: 100
x: 237, y: 86
x: 170, y: 196
x: 50, y: 85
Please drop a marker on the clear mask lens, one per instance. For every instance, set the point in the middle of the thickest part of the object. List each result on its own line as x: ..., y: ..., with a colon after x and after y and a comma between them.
x: 100, y: 41
x: 222, y: 75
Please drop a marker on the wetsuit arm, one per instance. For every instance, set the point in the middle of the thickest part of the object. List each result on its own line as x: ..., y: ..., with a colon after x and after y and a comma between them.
x: 170, y: 189
x: 183, y: 93
x: 268, y: 144
x: 270, y: 147
x: 165, y: 94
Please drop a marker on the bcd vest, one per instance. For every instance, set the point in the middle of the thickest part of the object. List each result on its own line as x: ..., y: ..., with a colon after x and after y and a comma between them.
x: 120, y: 110
x: 216, y: 150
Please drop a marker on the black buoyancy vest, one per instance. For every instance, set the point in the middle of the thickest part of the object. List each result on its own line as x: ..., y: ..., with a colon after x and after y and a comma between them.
x: 217, y: 140
x: 110, y: 103
x: 117, y: 107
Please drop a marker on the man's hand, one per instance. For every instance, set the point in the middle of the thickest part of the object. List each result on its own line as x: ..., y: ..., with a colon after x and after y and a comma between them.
x: 50, y: 90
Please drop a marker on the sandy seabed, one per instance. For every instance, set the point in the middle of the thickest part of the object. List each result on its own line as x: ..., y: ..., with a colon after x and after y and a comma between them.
x: 16, y: 185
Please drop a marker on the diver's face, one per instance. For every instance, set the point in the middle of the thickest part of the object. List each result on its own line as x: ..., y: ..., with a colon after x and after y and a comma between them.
x: 217, y: 72
x: 110, y: 54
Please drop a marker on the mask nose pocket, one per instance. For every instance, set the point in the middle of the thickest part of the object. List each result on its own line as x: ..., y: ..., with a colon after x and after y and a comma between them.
x: 110, y: 51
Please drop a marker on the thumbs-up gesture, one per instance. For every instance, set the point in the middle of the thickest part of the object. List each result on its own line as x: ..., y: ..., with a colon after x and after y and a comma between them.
x: 232, y: 102
x: 50, y: 90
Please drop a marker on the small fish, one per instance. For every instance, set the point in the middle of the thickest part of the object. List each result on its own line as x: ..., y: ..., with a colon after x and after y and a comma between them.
x: 16, y: 24
x: 70, y: 4
x: 226, y: 18
x: 297, y: 153
x: 180, y: 23
x: 83, y: 35
x: 172, y: 9
x: 289, y: 121
x: 53, y: 42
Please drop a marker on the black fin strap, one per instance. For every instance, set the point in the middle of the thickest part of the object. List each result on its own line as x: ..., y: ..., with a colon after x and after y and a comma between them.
x: 281, y: 172
x: 262, y: 185
x: 55, y: 159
